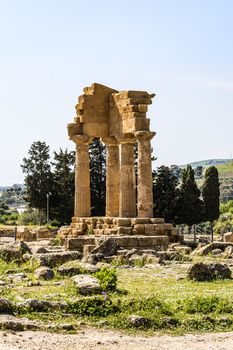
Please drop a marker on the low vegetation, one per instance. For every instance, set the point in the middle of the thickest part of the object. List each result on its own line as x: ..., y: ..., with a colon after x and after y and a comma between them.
x: 162, y: 295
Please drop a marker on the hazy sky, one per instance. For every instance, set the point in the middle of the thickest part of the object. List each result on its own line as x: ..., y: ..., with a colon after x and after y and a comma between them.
x: 181, y: 50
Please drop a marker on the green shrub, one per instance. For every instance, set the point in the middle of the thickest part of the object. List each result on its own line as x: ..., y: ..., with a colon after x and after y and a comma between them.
x: 207, y: 304
x: 107, y: 278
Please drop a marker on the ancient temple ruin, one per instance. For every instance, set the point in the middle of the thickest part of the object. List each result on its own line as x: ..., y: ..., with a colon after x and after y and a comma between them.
x: 119, y: 119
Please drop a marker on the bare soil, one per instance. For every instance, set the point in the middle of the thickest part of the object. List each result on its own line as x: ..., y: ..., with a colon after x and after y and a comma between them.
x: 89, y: 339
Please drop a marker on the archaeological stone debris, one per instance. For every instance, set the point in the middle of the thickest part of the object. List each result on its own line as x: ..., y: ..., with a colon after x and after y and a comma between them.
x: 119, y: 119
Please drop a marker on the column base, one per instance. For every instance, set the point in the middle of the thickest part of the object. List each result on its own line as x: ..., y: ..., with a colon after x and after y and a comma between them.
x: 93, y: 230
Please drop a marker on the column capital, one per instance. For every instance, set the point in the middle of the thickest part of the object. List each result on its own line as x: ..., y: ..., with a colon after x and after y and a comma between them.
x: 128, y: 138
x: 110, y: 141
x: 82, y: 139
x: 144, y: 135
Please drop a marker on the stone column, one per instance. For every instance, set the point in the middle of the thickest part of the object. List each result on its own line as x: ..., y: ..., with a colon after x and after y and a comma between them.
x: 127, y: 178
x: 82, y: 177
x: 112, y: 177
x: 145, y: 194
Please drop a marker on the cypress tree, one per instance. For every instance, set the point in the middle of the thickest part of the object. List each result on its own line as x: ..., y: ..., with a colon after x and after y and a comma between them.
x: 189, y: 206
x: 38, y: 180
x: 211, y: 193
x: 165, y: 193
x: 62, y: 199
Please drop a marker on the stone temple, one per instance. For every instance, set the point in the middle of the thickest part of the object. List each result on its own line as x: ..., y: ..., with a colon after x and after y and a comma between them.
x: 119, y: 119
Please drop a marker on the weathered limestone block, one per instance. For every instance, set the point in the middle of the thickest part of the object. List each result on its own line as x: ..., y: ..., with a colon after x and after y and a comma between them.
x: 228, y: 237
x: 124, y: 230
x: 157, y: 220
x: 140, y: 229
x: 149, y: 230
x: 159, y: 229
x: 122, y: 222
x: 79, y: 242
x: 136, y: 221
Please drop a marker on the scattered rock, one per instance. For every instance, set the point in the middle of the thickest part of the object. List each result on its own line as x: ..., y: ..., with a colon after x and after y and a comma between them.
x: 40, y: 250
x: 138, y: 321
x: 217, y: 251
x: 14, y: 251
x: 41, y: 305
x: 136, y: 259
x: 44, y: 272
x: 88, y: 268
x: 17, y: 324
x: 2, y: 283
x: 183, y: 249
x: 67, y: 327
x: 34, y: 284
x: 228, y: 252
x: 209, y: 272
x: 107, y: 248
x: 68, y: 270
x: 87, y: 284
x: 56, y: 258
x: 93, y: 258
x: 204, y: 250
x: 5, y: 306
x: 228, y: 237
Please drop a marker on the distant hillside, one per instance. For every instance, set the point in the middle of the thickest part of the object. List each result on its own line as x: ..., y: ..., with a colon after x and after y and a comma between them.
x: 207, y: 163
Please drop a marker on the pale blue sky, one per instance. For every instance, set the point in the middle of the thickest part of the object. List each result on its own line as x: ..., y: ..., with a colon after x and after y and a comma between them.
x: 181, y: 50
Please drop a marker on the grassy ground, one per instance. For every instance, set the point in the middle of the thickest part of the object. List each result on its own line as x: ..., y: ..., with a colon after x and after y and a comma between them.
x: 162, y: 294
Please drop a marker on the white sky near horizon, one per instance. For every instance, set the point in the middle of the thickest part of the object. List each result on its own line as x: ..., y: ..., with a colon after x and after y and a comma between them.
x: 182, y: 50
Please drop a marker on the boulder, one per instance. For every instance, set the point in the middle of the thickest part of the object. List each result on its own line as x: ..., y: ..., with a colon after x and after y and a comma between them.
x: 5, y: 306
x: 87, y: 284
x: 44, y: 272
x: 138, y: 321
x: 228, y: 237
x: 107, y: 248
x: 17, y: 324
x: 217, y: 251
x: 209, y: 272
x: 14, y: 251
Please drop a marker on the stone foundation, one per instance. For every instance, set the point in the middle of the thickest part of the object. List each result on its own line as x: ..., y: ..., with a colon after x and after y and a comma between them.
x: 84, y: 234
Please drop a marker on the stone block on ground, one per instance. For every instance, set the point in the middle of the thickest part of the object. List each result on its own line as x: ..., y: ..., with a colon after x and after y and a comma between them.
x: 107, y: 248
x: 87, y: 285
x: 57, y: 258
x: 14, y: 251
x: 228, y: 237
x: 44, y: 272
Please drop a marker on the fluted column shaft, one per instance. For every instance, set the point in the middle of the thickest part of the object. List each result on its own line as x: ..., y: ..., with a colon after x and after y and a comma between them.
x: 144, y: 187
x: 112, y: 177
x: 127, y: 179
x: 82, y: 179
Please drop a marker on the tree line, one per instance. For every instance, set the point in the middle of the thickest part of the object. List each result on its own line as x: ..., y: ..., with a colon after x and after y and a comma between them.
x: 178, y: 202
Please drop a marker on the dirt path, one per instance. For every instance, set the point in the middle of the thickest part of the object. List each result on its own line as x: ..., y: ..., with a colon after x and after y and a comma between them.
x: 90, y: 339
